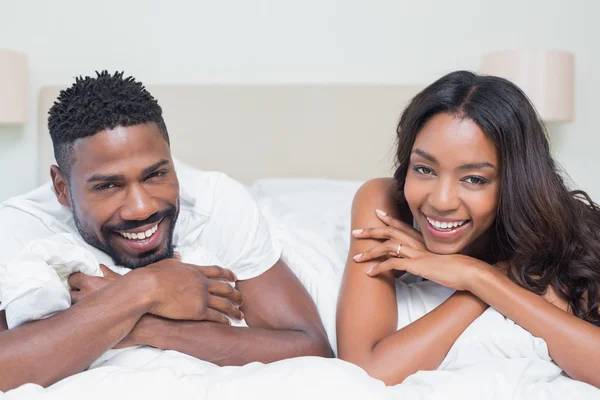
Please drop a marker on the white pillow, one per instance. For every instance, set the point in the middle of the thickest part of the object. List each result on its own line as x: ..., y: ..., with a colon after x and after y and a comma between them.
x: 311, y: 219
x: 278, y: 186
x: 321, y: 206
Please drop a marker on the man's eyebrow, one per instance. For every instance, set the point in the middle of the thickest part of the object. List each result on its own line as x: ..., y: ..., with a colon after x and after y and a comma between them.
x: 154, y: 167
x: 117, y: 178
x: 105, y: 178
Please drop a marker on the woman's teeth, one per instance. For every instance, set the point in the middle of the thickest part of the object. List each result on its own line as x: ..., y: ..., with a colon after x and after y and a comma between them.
x: 140, y: 235
x: 448, y: 226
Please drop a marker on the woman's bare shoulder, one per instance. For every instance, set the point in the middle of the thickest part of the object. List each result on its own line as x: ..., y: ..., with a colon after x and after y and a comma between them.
x: 383, y: 194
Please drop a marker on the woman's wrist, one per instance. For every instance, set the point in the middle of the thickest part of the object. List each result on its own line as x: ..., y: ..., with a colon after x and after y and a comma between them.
x: 480, y: 276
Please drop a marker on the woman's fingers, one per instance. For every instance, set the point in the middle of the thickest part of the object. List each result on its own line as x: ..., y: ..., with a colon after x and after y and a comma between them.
x: 398, y: 264
x: 396, y: 223
x: 387, y: 232
x: 388, y: 249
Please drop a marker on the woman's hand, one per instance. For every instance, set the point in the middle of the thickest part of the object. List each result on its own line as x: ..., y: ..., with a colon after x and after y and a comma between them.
x: 403, y: 249
x: 394, y: 233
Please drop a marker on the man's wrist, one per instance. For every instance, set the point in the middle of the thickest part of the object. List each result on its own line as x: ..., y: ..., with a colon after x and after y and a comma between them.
x: 154, y: 331
x: 143, y: 288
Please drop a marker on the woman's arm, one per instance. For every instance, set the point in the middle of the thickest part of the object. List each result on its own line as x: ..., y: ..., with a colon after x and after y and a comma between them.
x: 573, y: 343
x: 367, y: 314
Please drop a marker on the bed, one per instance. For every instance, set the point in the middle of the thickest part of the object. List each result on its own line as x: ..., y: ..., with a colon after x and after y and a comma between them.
x: 303, y: 151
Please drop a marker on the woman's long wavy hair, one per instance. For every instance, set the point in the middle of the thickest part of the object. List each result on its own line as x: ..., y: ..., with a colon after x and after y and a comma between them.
x: 548, y: 234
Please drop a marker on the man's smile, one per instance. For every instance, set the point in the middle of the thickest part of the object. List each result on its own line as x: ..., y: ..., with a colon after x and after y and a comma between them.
x: 141, y: 240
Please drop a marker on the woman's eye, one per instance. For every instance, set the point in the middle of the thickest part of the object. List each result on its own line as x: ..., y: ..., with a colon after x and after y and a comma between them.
x: 423, y: 170
x: 476, y: 180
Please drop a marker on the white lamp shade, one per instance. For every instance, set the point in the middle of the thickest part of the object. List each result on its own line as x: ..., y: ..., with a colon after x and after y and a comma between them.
x: 13, y: 87
x: 547, y: 77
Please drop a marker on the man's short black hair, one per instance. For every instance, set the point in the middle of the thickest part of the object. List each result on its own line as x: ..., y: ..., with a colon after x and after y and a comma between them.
x: 95, y: 104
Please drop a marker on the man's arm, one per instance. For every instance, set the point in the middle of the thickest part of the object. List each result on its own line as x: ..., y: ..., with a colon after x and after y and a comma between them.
x: 51, y: 349
x: 48, y: 350
x: 282, y: 318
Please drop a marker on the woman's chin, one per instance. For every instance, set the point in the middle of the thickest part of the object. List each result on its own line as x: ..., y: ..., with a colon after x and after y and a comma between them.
x: 443, y: 249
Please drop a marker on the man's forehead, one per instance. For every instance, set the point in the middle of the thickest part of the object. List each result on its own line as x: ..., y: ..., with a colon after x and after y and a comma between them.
x: 123, y: 150
x: 121, y: 139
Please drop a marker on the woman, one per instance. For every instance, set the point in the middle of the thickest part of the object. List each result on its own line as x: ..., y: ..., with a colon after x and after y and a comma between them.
x: 494, y: 221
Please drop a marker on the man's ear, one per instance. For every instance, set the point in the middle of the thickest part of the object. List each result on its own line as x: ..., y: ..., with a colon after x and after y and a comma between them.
x: 61, y: 186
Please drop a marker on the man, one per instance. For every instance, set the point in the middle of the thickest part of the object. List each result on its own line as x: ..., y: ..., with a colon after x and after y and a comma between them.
x: 116, y: 186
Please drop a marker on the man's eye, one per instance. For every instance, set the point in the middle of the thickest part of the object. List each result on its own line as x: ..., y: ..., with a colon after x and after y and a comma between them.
x: 105, y: 186
x: 157, y: 174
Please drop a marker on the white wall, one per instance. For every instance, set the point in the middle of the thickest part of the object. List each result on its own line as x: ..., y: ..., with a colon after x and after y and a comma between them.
x: 285, y: 41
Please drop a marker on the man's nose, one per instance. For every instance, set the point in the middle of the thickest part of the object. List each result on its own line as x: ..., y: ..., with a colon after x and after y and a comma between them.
x: 139, y: 205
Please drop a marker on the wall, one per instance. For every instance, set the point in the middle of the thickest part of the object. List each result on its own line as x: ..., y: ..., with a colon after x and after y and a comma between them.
x: 285, y: 41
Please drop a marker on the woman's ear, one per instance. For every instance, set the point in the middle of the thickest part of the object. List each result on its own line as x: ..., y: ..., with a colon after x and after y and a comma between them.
x: 61, y: 186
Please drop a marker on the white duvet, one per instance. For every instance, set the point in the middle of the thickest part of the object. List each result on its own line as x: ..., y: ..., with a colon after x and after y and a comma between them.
x: 493, y: 359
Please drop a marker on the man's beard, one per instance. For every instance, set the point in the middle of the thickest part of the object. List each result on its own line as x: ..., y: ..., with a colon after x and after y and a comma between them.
x: 121, y: 259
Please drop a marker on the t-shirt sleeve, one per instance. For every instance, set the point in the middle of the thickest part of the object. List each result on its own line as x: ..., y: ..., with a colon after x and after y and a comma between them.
x: 17, y: 229
x: 238, y: 232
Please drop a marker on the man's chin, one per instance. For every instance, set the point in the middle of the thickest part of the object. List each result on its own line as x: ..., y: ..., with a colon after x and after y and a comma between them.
x: 142, y: 260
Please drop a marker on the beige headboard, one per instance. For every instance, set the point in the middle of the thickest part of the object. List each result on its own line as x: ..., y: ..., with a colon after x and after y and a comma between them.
x: 260, y: 131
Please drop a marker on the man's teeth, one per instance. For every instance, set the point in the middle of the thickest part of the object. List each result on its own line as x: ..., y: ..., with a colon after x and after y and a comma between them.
x: 140, y: 235
x: 445, y: 225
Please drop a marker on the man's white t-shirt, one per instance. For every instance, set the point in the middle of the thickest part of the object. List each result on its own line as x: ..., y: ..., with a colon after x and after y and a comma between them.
x: 216, y: 213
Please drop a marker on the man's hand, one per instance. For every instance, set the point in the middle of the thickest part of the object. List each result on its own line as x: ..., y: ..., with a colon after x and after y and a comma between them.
x: 205, y: 292
x: 145, y: 331
x: 82, y: 285
x: 181, y: 288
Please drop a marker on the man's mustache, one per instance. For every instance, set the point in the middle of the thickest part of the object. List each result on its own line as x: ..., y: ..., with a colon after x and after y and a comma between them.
x: 127, y: 225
